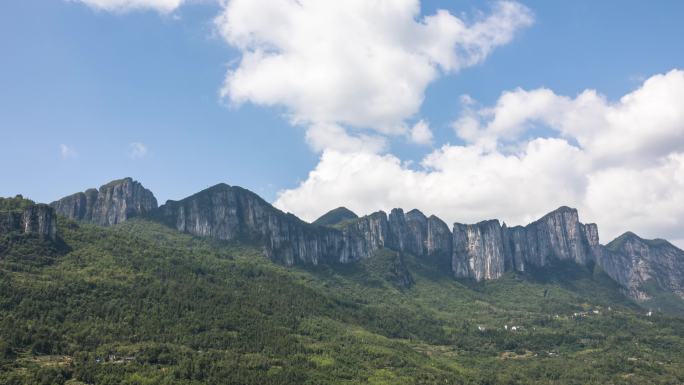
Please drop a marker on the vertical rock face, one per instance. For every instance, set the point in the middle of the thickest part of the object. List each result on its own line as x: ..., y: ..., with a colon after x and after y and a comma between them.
x: 515, y: 247
x: 486, y: 250
x: 482, y: 251
x: 113, y: 203
x: 478, y: 250
x: 34, y: 219
x: 557, y: 235
x: 591, y: 234
x: 417, y: 224
x: 40, y: 220
x: 78, y: 206
x: 408, y: 231
x: 635, y: 262
x: 230, y: 213
x: 363, y: 237
x: 439, y: 238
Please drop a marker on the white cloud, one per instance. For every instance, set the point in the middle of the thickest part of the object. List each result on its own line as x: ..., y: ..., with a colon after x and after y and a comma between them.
x: 353, y: 63
x: 642, y: 126
x: 649, y: 201
x: 137, y: 150
x: 421, y: 133
x: 162, y: 6
x: 323, y: 136
x: 456, y: 183
x: 67, y: 152
x: 620, y: 163
x: 355, y: 71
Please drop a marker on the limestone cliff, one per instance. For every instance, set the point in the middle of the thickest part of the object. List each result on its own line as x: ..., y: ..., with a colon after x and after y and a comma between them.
x: 439, y: 240
x: 478, y: 250
x: 113, y: 203
x: 364, y: 236
x: 232, y: 213
x: 481, y: 251
x: 641, y: 265
x: 21, y: 216
x: 558, y: 235
x: 486, y: 250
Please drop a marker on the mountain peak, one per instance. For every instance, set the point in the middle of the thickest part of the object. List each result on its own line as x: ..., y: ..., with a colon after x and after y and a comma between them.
x: 116, y: 182
x: 629, y: 237
x: 335, y: 216
x: 113, y: 203
x: 220, y: 186
x: 562, y: 210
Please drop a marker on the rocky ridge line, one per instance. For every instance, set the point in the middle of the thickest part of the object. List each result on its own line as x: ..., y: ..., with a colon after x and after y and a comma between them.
x: 482, y: 251
x: 113, y: 203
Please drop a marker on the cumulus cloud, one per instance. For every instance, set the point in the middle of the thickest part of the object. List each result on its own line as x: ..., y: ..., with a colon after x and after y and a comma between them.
x: 355, y: 71
x: 648, y: 200
x: 642, y: 126
x: 162, y: 6
x: 322, y: 136
x: 353, y: 63
x: 456, y: 183
x: 421, y: 133
x: 67, y: 152
x: 620, y: 163
x: 137, y: 150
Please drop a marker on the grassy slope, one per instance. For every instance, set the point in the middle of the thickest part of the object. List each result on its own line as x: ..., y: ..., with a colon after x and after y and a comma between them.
x: 142, y: 304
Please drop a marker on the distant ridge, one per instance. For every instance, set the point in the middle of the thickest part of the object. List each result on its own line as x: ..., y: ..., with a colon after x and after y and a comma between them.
x: 335, y: 216
x: 482, y: 251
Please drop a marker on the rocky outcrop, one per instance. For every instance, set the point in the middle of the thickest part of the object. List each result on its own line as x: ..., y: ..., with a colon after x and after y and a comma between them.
x: 335, y: 216
x: 481, y: 251
x: 416, y: 236
x: 408, y: 231
x: 641, y: 265
x: 478, y: 250
x: 31, y: 219
x: 363, y: 237
x: 439, y: 240
x: 557, y: 235
x: 113, y: 203
x: 486, y: 250
x: 231, y: 213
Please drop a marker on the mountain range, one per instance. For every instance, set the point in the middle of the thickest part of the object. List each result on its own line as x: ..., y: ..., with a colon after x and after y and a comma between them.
x: 645, y: 269
x: 107, y: 287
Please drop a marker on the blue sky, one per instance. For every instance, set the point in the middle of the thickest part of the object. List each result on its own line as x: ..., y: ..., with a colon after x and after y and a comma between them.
x: 98, y: 82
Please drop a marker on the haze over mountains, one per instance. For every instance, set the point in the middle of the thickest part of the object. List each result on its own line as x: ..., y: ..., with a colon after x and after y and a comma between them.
x: 645, y: 269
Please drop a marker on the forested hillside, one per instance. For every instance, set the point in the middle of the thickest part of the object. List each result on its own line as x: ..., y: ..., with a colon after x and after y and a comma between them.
x: 139, y: 303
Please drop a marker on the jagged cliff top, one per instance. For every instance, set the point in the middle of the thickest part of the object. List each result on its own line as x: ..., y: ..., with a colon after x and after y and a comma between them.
x: 342, y: 215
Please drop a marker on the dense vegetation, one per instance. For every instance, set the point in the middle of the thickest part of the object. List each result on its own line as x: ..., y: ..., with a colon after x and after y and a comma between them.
x: 142, y: 304
x: 17, y: 203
